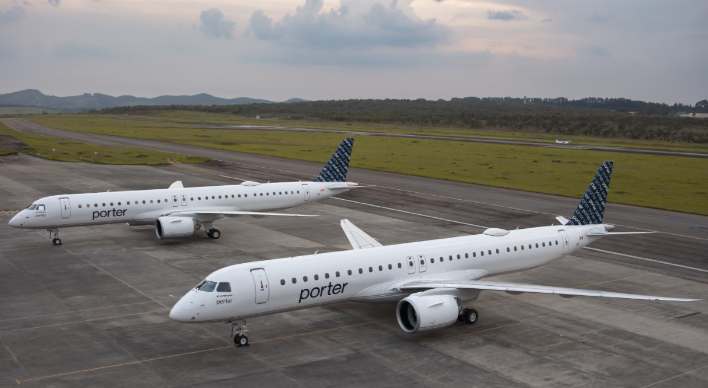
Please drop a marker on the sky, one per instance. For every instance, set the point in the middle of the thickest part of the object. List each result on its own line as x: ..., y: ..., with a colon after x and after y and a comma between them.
x: 343, y: 49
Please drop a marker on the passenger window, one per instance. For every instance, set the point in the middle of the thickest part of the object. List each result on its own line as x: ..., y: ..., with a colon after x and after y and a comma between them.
x: 556, y: 242
x: 219, y: 197
x: 543, y: 244
x: 143, y: 202
x: 282, y: 282
x: 207, y: 286
x: 361, y: 271
x: 536, y: 245
x: 467, y: 256
x: 96, y: 205
x: 507, y: 249
x: 337, y: 273
x: 497, y: 251
x: 371, y: 269
x: 239, y: 195
x: 245, y: 195
x: 104, y: 205
x: 481, y: 253
x: 530, y: 246
x: 349, y: 272
x: 151, y: 201
x: 317, y: 277
x: 522, y: 247
x: 450, y: 257
x: 111, y: 203
x: 390, y: 266
x: 458, y: 257
x: 267, y: 194
x: 380, y: 268
x: 294, y: 280
x: 326, y: 275
x: 199, y: 198
x: 304, y: 279
x: 514, y: 248
x: 490, y: 251
x: 432, y: 259
x: 225, y: 287
x: 79, y: 206
x: 474, y: 254
x: 158, y: 201
x: 190, y: 198
x: 399, y: 265
x: 212, y: 197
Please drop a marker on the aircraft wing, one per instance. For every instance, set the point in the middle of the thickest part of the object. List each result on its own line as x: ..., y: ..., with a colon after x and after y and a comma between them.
x: 234, y: 213
x: 357, y: 237
x: 519, y: 288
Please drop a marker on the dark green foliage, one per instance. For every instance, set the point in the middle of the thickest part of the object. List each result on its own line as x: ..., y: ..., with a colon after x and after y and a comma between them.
x: 598, y: 117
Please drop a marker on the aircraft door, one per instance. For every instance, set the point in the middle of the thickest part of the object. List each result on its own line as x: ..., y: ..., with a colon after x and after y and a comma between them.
x: 306, y: 190
x: 175, y: 200
x: 260, y: 281
x: 411, y: 264
x: 184, y: 200
x: 564, y: 241
x: 423, y: 264
x: 65, y: 207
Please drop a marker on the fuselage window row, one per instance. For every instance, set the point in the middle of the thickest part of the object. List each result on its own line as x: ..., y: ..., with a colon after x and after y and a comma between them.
x: 337, y: 274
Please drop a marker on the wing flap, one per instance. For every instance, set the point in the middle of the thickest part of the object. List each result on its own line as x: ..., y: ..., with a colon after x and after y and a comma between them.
x: 518, y: 288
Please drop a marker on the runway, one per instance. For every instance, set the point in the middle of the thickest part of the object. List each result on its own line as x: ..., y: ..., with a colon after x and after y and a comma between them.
x: 93, y: 312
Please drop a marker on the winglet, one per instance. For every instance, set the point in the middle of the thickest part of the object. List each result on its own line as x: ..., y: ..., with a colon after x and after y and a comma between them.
x: 591, y: 208
x: 176, y: 185
x: 357, y: 237
x: 336, y: 169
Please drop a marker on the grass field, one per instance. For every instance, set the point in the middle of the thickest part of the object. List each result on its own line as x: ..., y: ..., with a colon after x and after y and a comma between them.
x: 70, y: 151
x: 672, y: 183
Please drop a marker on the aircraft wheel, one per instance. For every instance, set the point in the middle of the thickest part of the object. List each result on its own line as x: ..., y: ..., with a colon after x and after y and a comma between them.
x: 471, y: 316
x: 56, y: 241
x: 240, y: 340
x: 214, y: 233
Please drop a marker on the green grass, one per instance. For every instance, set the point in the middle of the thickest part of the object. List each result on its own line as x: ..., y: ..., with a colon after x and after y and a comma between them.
x: 663, y: 182
x: 70, y: 151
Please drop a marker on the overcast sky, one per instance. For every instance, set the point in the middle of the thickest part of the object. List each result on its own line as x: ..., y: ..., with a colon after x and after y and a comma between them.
x: 341, y: 49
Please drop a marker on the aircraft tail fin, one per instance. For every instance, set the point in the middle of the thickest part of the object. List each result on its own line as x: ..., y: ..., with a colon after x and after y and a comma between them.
x: 591, y: 208
x: 336, y: 169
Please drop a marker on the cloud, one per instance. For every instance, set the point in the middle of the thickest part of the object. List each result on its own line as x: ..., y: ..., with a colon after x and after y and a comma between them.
x: 506, y: 15
x: 73, y: 51
x: 12, y: 15
x: 356, y: 24
x: 54, y: 3
x: 214, y: 25
x: 547, y: 20
x: 594, y: 51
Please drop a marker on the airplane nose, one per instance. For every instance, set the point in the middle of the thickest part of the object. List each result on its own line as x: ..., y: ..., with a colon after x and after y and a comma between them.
x: 180, y: 314
x: 16, y: 221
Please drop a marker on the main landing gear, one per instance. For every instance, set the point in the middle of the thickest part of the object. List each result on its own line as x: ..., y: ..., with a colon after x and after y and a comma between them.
x: 468, y: 315
x: 239, y: 335
x: 56, y: 240
x: 212, y: 232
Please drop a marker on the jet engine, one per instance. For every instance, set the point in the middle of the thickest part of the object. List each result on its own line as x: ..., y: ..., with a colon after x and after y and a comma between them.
x: 426, y: 312
x: 174, y: 227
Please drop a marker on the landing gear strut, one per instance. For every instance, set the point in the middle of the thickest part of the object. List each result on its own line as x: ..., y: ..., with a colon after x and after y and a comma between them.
x: 56, y: 240
x: 240, y: 337
x: 468, y: 315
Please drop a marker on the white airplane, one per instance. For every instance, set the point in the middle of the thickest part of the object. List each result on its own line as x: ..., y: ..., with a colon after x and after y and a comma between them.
x: 433, y: 281
x: 178, y: 211
x: 563, y: 141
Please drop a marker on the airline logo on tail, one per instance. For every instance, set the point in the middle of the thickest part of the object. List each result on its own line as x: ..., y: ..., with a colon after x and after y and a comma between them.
x: 336, y: 169
x: 592, y: 207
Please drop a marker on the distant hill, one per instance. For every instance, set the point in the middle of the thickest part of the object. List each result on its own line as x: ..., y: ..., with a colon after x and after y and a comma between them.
x: 88, y: 101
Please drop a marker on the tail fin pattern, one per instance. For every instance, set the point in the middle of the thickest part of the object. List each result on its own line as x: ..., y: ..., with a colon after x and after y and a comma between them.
x: 592, y: 207
x: 336, y: 169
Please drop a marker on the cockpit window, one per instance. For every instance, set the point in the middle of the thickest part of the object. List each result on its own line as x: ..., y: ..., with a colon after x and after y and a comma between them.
x: 40, y: 207
x: 206, y: 286
x: 223, y: 287
x: 32, y: 206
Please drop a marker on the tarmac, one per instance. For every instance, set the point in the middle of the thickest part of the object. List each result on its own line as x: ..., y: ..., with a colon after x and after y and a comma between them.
x: 94, y: 311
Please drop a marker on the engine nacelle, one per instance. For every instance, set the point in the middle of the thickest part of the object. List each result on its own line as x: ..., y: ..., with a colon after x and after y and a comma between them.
x: 174, y: 227
x: 426, y: 312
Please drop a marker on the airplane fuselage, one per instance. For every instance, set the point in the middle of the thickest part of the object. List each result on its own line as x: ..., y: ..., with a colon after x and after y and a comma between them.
x: 144, y: 206
x: 370, y: 275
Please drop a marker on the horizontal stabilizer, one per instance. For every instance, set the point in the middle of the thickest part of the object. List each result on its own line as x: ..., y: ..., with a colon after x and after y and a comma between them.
x: 176, y: 185
x: 357, y: 237
x: 615, y: 233
x: 518, y: 288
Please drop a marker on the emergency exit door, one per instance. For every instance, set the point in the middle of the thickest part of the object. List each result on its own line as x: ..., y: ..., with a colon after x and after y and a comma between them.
x: 260, y: 281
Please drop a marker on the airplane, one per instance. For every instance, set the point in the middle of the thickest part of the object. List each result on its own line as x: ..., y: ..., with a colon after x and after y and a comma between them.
x: 177, y: 211
x: 433, y: 281
x: 563, y: 141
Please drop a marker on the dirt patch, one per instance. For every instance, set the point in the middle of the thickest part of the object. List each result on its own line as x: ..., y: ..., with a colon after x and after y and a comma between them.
x: 10, y: 143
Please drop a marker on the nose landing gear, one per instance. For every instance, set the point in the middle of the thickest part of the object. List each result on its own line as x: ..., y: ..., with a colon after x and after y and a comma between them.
x: 240, y: 337
x: 56, y: 240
